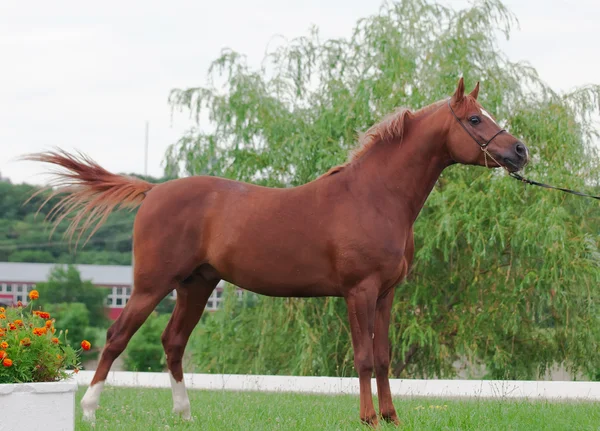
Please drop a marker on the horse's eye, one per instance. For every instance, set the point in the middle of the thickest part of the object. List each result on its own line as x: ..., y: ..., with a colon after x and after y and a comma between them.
x: 475, y: 120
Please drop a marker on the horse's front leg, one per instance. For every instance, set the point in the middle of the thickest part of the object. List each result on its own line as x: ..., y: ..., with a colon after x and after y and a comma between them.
x: 361, y: 301
x: 381, y: 351
x: 381, y: 343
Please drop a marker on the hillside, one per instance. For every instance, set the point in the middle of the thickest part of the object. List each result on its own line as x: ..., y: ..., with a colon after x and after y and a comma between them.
x: 25, y: 236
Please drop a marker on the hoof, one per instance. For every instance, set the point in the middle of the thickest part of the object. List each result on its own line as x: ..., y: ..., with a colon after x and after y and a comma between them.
x: 186, y: 416
x: 89, y: 415
x: 391, y: 418
x: 370, y: 421
x: 89, y: 411
x: 89, y: 402
x: 184, y: 412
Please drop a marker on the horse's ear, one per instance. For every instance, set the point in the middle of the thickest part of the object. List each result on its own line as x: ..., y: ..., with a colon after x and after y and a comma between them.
x: 475, y: 91
x: 460, y: 91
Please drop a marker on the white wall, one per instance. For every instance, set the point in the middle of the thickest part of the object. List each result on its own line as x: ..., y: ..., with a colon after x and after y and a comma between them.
x: 589, y: 391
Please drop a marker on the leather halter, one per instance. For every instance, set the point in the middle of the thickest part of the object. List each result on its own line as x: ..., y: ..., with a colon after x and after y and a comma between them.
x: 512, y: 174
x: 484, y: 145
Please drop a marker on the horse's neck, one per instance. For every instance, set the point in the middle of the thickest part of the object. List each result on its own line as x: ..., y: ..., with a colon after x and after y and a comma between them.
x: 404, y: 173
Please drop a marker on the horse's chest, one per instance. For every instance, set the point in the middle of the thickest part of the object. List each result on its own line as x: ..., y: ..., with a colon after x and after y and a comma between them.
x: 384, y: 258
x: 390, y: 249
x: 370, y: 248
x: 392, y: 265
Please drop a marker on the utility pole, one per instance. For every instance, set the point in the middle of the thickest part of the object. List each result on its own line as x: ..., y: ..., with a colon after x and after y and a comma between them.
x: 146, y: 151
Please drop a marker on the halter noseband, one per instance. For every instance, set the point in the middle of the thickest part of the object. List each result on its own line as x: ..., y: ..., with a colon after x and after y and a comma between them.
x: 483, y: 146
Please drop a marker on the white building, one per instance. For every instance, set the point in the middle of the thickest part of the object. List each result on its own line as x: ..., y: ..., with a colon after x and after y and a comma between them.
x: 17, y: 279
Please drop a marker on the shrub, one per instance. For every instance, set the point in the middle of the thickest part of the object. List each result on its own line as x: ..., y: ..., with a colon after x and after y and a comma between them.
x: 72, y: 316
x: 145, y: 351
x: 31, y: 350
x: 65, y: 285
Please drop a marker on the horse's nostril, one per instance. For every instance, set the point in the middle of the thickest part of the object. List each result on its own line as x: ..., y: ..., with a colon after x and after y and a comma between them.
x: 520, y: 149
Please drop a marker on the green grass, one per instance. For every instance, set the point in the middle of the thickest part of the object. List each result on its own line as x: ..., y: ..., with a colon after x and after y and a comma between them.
x: 150, y: 410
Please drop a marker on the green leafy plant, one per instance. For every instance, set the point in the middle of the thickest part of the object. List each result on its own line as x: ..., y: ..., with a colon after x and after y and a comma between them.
x: 31, y: 350
x: 144, y: 351
x: 65, y: 286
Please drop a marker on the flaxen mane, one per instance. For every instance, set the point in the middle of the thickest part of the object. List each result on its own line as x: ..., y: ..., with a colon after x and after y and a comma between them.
x: 391, y: 127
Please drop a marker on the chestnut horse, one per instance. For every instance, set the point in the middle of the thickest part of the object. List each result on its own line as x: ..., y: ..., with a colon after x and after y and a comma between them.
x: 349, y: 233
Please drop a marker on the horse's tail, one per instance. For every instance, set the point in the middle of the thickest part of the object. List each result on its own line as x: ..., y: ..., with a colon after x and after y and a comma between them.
x: 91, y: 191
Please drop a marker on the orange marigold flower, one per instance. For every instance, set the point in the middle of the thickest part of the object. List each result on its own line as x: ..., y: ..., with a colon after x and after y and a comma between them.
x: 2, y: 310
x: 34, y: 294
x: 19, y: 322
x: 12, y: 326
x: 44, y: 315
x: 2, y: 316
x: 86, y: 345
x: 76, y: 370
x: 2, y: 354
x: 40, y: 331
x: 48, y: 323
x: 19, y: 304
x: 7, y: 362
x: 55, y: 340
x: 4, y: 345
x: 26, y: 341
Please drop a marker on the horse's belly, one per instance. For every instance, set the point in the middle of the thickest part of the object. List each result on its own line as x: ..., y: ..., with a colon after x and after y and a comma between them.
x: 295, y: 266
x: 283, y: 281
x: 304, y: 291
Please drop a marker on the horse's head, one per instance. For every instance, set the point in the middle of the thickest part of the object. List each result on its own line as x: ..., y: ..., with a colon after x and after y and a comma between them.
x: 474, y: 137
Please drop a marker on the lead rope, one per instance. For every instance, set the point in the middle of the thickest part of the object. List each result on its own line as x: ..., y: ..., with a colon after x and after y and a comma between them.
x: 486, y: 153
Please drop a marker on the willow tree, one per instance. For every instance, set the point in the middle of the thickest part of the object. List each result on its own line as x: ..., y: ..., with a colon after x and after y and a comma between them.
x: 505, y: 275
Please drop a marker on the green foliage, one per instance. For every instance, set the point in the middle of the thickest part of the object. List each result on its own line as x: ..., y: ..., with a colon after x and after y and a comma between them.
x: 25, y: 237
x: 73, y: 317
x: 167, y: 305
x: 258, y: 335
x: 31, y: 349
x: 66, y: 286
x: 505, y: 275
x: 144, y: 351
x: 36, y: 256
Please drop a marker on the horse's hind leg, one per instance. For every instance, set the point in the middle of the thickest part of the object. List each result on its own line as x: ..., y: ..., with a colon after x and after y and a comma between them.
x: 143, y: 300
x: 191, y: 300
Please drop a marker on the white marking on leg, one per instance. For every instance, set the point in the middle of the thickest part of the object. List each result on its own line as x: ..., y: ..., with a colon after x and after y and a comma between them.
x: 487, y: 114
x: 90, y: 401
x: 181, y: 402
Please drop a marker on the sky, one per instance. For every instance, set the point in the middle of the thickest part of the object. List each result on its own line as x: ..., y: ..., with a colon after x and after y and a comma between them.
x: 87, y: 76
